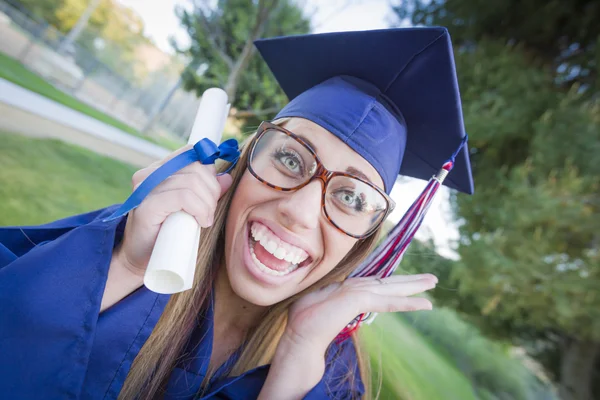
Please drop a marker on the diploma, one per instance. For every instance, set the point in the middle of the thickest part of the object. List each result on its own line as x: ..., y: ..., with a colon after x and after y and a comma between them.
x: 173, y: 261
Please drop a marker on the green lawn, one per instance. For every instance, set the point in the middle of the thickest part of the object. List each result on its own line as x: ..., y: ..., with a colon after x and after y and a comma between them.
x: 12, y: 70
x: 410, y: 367
x: 43, y: 180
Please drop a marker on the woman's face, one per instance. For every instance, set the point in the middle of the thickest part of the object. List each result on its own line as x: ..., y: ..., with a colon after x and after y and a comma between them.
x: 264, y: 225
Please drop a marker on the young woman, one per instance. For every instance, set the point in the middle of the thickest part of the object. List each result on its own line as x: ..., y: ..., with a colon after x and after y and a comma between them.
x: 280, y: 236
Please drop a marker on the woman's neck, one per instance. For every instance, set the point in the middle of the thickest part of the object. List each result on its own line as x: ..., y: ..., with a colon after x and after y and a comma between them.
x: 233, y: 315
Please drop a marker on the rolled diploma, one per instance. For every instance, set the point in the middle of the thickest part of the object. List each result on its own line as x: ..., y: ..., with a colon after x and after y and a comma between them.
x: 173, y: 261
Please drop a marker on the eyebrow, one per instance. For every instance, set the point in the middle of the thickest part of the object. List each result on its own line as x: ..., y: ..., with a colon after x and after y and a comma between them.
x: 350, y: 170
x: 359, y: 173
x: 311, y: 144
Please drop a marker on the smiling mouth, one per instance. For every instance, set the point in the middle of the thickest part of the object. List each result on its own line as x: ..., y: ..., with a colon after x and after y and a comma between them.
x: 272, y: 255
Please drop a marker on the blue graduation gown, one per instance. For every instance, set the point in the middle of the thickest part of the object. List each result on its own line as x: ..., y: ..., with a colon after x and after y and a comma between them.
x: 55, y: 343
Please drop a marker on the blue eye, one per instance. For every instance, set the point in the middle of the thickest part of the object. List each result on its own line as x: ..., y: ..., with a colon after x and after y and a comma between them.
x: 350, y: 199
x: 289, y: 160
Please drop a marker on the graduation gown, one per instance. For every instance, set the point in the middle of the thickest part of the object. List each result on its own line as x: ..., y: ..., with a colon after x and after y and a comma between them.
x: 55, y: 343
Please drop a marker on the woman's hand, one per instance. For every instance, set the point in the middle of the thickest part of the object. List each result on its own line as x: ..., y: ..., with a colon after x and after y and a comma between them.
x: 194, y: 189
x: 316, y: 319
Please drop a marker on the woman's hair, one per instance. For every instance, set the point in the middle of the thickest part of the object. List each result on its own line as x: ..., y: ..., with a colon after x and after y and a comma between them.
x: 154, y: 363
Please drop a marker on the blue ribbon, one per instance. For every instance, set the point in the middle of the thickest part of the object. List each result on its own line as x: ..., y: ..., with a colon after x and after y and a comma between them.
x: 205, y: 151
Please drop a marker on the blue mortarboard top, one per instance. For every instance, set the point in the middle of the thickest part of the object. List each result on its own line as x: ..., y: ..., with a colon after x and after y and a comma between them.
x: 392, y: 95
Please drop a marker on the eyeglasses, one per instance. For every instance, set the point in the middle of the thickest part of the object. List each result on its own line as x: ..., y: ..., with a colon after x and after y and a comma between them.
x: 283, y: 161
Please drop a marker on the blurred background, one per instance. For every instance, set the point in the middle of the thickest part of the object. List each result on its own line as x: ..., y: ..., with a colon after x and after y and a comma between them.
x: 91, y: 90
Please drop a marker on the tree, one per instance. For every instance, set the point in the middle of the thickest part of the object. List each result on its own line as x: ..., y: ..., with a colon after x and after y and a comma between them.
x: 530, y: 243
x: 222, y: 39
x: 109, y: 32
x: 40, y: 10
x: 79, y: 26
x: 111, y: 35
x: 561, y: 35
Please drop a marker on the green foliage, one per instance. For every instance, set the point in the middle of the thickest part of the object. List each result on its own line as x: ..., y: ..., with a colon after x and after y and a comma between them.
x: 529, y: 248
x: 219, y: 35
x: 493, y: 373
x: 41, y: 10
x: 119, y: 30
x: 113, y: 34
x: 529, y: 245
x: 562, y: 33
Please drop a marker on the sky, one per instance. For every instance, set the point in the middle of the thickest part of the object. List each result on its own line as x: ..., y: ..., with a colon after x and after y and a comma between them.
x: 327, y: 16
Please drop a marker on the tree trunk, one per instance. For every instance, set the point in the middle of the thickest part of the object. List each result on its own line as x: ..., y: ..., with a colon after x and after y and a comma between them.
x: 265, y: 7
x: 576, y: 370
x: 235, y: 73
x: 79, y: 26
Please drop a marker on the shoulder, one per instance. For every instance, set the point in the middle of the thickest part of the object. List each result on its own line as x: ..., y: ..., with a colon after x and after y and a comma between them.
x: 342, y: 371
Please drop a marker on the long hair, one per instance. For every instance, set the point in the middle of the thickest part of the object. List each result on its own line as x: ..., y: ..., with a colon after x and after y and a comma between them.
x: 154, y: 363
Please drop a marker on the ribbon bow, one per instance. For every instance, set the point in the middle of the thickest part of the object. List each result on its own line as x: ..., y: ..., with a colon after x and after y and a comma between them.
x: 205, y: 151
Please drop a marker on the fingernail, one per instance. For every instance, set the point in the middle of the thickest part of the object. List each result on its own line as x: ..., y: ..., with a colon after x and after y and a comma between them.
x: 429, y: 306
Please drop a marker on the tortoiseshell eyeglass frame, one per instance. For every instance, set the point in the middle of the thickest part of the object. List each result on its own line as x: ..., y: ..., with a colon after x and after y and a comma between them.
x: 321, y: 173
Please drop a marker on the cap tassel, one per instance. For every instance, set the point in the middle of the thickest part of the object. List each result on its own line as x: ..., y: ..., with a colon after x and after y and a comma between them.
x: 384, y: 260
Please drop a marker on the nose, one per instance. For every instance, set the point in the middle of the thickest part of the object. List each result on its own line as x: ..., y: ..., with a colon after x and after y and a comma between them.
x: 301, y: 209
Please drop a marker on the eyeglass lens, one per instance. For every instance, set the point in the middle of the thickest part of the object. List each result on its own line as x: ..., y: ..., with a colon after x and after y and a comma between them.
x: 352, y: 205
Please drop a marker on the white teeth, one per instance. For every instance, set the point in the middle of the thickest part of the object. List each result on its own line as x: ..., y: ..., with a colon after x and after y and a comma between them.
x: 268, y: 270
x: 275, y: 246
x: 280, y: 253
x: 289, y: 257
x: 271, y: 246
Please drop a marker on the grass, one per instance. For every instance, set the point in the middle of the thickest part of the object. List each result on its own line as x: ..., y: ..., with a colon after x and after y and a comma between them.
x: 492, y: 372
x: 411, y: 367
x: 44, y: 180
x: 15, y: 72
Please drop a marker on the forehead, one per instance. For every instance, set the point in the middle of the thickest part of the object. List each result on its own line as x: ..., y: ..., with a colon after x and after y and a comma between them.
x: 334, y: 153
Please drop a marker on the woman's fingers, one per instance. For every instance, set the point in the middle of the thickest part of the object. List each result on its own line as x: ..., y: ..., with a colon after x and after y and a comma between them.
x: 171, y: 201
x: 383, y: 304
x: 140, y: 175
x: 316, y: 318
x: 225, y: 182
x: 381, y: 296
x: 395, y: 278
x: 327, y: 313
x: 192, y: 182
x: 402, y: 289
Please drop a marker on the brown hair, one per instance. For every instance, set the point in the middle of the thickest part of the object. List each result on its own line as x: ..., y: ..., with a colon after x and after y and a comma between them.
x: 155, y: 361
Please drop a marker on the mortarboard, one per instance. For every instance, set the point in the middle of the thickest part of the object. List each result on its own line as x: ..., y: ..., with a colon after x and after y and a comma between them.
x: 392, y: 96
x: 342, y: 81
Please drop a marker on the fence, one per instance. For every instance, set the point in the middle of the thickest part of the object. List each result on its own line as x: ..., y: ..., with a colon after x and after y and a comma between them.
x: 155, y: 106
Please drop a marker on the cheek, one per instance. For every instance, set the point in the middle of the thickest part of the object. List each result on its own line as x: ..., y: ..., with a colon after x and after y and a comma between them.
x: 245, y: 197
x: 336, y: 245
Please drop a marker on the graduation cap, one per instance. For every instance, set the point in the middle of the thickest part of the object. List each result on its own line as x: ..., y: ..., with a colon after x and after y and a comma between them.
x: 408, y: 71
x: 392, y: 96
